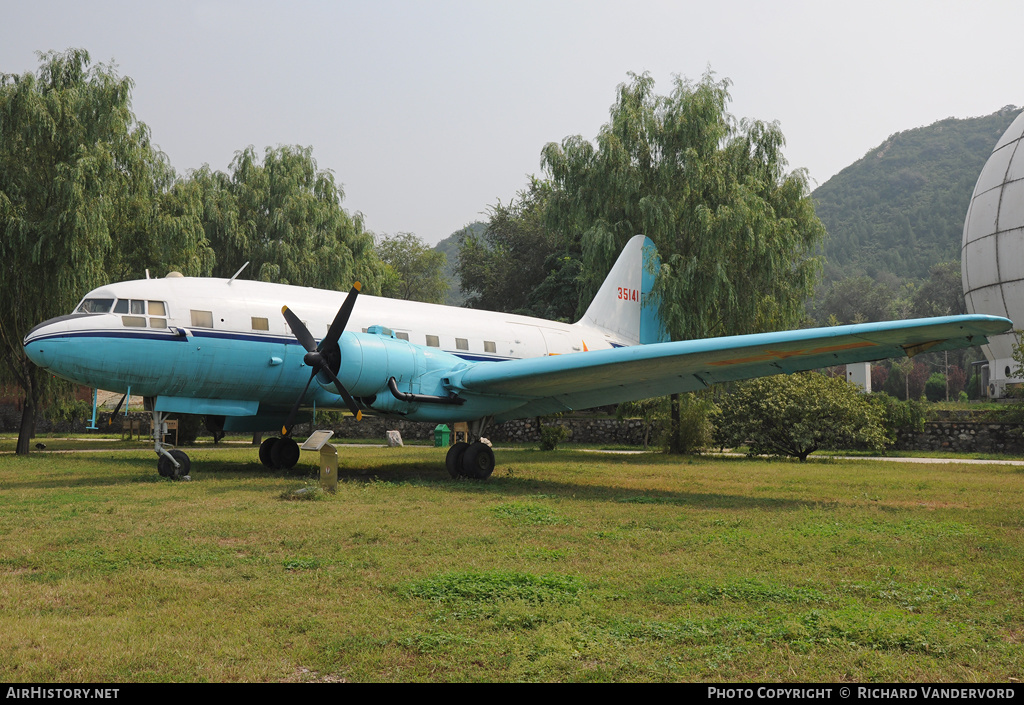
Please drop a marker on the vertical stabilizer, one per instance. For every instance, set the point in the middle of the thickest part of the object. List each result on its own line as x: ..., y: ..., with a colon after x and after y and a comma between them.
x: 624, y: 307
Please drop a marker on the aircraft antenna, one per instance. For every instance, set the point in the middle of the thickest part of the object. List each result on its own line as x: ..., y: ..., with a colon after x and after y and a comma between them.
x: 238, y: 272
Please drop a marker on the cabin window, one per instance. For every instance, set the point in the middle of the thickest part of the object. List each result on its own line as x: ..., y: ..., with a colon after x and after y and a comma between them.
x: 433, y: 341
x: 202, y: 319
x: 259, y: 323
x: 157, y: 322
x: 157, y: 308
x: 95, y: 306
x: 490, y: 347
x: 134, y: 321
x: 402, y: 336
x: 138, y: 307
x: 461, y: 344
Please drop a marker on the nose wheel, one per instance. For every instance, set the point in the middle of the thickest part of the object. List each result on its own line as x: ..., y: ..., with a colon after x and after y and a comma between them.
x: 165, y: 465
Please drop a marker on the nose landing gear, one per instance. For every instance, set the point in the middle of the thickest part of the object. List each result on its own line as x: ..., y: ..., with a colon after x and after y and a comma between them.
x: 171, y: 462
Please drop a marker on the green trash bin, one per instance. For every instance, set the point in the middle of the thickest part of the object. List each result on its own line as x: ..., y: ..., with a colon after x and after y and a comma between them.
x: 442, y: 436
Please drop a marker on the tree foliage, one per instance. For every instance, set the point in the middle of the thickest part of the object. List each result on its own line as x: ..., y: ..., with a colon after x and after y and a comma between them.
x: 900, y: 208
x: 283, y: 215
x: 414, y: 271
x: 449, y: 247
x: 519, y: 264
x: 735, y: 232
x: 798, y: 414
x: 83, y: 194
x: 942, y: 294
x: 856, y: 300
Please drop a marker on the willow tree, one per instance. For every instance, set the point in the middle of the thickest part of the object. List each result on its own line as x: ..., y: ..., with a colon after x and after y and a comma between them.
x: 735, y: 231
x: 77, y: 181
x: 283, y: 215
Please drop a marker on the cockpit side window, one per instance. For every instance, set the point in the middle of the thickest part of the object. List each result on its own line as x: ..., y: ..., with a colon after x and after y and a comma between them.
x: 137, y: 308
x: 95, y: 306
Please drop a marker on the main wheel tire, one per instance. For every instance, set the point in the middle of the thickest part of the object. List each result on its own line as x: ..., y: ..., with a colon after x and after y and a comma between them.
x: 284, y: 454
x: 478, y: 462
x: 266, y: 448
x: 453, y: 461
x: 166, y: 468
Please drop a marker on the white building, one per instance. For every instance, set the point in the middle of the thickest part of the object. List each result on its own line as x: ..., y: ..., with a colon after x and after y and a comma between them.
x: 992, y: 255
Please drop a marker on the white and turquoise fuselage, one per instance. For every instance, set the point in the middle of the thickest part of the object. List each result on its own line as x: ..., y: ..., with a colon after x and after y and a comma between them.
x: 217, y: 346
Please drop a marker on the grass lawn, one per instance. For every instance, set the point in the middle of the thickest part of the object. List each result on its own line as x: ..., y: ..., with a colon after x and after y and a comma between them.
x: 564, y: 566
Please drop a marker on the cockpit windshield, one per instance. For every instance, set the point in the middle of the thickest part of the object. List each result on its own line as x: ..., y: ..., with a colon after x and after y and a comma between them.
x: 95, y: 306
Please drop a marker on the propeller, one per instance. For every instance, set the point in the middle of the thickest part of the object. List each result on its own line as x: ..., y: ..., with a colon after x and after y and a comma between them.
x: 319, y: 357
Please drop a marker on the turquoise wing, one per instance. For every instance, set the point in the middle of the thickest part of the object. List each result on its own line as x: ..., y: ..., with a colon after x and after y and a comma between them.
x: 587, y: 379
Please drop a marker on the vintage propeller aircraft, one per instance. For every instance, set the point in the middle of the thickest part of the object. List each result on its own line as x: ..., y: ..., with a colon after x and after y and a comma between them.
x: 245, y: 354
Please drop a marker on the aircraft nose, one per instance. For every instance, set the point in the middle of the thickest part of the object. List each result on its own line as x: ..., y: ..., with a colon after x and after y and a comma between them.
x: 37, y: 352
x: 41, y: 342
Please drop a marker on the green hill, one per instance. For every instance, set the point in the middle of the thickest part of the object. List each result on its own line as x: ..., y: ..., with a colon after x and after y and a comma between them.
x: 900, y: 209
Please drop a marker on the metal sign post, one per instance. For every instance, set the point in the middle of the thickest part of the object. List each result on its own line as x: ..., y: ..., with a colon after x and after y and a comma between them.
x: 328, y: 458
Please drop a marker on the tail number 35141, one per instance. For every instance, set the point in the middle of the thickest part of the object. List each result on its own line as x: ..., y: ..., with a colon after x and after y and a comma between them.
x: 628, y: 294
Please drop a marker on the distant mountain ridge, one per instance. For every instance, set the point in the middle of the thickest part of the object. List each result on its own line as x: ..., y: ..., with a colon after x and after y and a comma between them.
x: 900, y: 209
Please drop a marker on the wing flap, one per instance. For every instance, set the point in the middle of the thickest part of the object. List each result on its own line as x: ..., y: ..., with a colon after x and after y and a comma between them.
x: 582, y: 380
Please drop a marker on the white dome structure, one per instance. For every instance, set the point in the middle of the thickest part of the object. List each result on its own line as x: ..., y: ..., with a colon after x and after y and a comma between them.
x: 992, y: 253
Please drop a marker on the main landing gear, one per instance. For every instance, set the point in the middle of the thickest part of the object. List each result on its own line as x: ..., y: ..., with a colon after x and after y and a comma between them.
x: 279, y: 453
x: 474, y: 459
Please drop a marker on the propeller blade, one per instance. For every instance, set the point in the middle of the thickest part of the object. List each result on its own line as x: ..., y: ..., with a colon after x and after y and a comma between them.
x: 286, y: 429
x: 349, y: 401
x: 341, y: 320
x: 299, y: 330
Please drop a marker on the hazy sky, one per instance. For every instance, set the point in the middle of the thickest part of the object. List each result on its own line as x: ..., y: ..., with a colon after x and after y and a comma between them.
x: 428, y: 112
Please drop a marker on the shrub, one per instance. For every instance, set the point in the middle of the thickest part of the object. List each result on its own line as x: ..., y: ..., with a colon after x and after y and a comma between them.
x: 898, y: 416
x: 696, y: 429
x: 935, y: 387
x: 798, y: 414
x: 551, y: 436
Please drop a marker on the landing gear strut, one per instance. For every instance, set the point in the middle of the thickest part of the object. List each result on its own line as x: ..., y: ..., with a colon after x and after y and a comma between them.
x: 474, y: 459
x: 279, y: 453
x: 171, y: 462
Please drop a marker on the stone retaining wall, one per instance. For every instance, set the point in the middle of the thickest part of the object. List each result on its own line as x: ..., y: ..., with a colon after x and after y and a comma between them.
x: 965, y: 437
x: 582, y: 430
x: 949, y: 435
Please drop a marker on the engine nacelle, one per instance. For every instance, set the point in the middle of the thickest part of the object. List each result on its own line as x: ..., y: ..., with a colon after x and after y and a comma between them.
x: 369, y: 360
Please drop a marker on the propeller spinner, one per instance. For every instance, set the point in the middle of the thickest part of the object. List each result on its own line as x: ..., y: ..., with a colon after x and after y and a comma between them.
x: 318, y: 357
